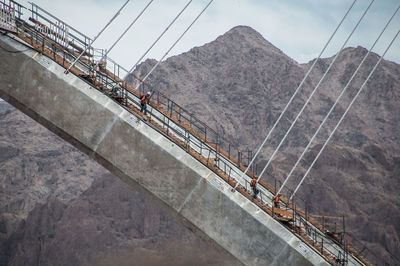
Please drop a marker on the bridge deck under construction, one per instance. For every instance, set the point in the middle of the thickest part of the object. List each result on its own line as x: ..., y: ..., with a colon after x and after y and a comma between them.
x: 176, y: 124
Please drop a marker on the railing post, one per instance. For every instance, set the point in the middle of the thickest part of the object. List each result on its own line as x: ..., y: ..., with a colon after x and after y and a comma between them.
x: 54, y: 51
x: 216, y: 151
x: 272, y: 204
x: 322, y: 246
x: 344, y: 229
x: 208, y: 157
x: 167, y: 126
x: 188, y: 140
x: 294, y: 218
x: 248, y: 156
x: 314, y: 237
x: 179, y: 114
x: 167, y: 107
x: 306, y: 210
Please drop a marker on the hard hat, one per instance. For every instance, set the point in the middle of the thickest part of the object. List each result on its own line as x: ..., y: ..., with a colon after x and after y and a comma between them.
x: 148, y: 93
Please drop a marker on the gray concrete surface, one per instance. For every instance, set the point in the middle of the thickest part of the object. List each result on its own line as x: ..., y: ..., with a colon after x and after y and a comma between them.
x: 146, y: 160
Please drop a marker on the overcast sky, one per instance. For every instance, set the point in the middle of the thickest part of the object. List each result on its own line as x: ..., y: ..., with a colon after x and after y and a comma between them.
x: 299, y: 28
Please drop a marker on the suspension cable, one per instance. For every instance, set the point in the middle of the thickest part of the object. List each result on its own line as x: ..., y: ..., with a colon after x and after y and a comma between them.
x: 341, y: 119
x: 95, y: 38
x: 180, y: 37
x: 295, y: 93
x: 120, y: 37
x: 336, y: 102
x: 159, y: 37
x: 312, y: 94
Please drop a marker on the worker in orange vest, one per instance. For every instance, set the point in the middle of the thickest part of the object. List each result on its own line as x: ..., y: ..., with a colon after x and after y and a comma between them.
x: 253, y: 184
x: 144, y: 100
x: 277, y: 200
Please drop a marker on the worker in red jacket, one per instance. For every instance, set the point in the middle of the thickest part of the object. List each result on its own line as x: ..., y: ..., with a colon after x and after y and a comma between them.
x: 277, y: 200
x: 253, y: 184
x: 144, y: 100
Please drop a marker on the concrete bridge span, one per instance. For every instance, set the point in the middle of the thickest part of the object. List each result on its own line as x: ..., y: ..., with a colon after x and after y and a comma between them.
x: 146, y: 159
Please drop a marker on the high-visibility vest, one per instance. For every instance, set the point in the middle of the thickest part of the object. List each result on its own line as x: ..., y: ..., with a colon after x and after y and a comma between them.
x: 277, y: 199
x: 254, y: 182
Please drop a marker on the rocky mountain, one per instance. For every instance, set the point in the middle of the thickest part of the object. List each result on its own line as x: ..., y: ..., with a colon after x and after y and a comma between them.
x: 59, y: 207
x: 240, y: 83
x: 239, y: 70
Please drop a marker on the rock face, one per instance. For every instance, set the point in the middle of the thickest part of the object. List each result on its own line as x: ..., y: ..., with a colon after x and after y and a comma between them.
x: 240, y: 83
x: 59, y: 207
x: 235, y: 83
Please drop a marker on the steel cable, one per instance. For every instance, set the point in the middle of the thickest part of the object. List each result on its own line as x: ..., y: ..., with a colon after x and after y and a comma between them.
x: 337, y: 100
x: 180, y: 37
x: 159, y: 37
x: 312, y: 94
x: 120, y: 37
x: 344, y: 114
x: 294, y: 94
x: 97, y: 36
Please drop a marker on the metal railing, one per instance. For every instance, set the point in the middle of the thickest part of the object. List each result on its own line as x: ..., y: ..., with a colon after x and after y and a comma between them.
x: 12, y: 7
x: 10, y: 12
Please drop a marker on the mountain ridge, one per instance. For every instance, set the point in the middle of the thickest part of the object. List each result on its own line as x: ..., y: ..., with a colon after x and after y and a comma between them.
x: 240, y: 94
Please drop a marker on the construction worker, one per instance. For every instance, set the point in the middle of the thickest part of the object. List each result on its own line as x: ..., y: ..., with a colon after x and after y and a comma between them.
x: 277, y: 200
x: 144, y: 100
x: 116, y: 91
x: 253, y: 184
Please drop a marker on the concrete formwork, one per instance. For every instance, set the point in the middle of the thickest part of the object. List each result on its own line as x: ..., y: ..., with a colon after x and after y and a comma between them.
x: 146, y: 160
